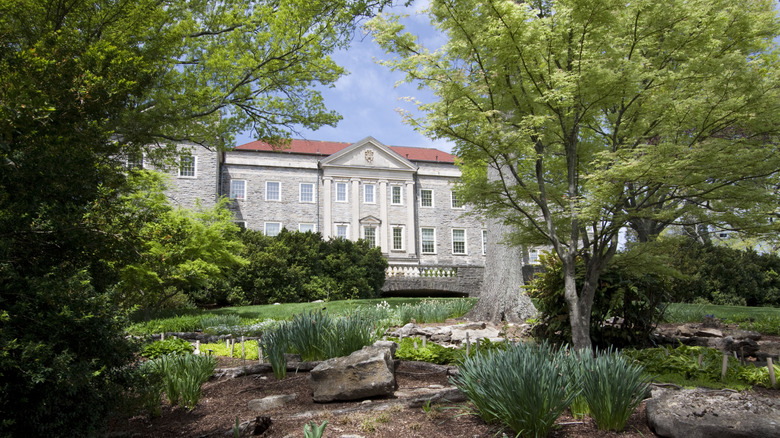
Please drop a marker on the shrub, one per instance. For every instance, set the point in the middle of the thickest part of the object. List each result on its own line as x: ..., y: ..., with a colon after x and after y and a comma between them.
x: 612, y: 387
x: 626, y: 293
x: 299, y: 267
x: 182, y: 323
x: 521, y: 387
x: 168, y: 346
x: 64, y: 356
x: 723, y: 275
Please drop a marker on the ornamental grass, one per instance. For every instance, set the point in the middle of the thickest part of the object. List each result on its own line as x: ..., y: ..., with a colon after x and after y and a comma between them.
x: 525, y: 386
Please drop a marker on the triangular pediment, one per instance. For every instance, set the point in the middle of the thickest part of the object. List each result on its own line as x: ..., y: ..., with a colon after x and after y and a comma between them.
x: 372, y: 220
x: 368, y: 153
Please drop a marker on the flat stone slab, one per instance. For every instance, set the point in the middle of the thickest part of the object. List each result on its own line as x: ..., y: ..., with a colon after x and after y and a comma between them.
x: 271, y: 402
x: 698, y: 413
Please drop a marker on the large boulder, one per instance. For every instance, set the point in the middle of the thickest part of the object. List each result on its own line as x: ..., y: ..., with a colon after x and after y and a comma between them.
x: 369, y: 372
x: 698, y: 413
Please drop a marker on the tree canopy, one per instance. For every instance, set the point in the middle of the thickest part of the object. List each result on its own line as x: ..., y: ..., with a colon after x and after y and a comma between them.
x: 596, y: 115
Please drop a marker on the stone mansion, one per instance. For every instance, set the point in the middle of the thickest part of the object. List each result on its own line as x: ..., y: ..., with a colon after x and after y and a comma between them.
x: 400, y: 199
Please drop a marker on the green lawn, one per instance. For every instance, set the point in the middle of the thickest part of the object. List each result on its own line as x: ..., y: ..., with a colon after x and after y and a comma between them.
x: 682, y: 312
x: 286, y: 311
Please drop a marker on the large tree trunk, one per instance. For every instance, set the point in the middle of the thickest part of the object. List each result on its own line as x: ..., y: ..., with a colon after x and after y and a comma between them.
x: 579, y: 309
x: 502, y: 298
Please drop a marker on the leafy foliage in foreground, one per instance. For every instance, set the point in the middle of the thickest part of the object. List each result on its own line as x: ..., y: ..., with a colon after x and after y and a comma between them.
x: 680, y: 365
x: 183, y: 375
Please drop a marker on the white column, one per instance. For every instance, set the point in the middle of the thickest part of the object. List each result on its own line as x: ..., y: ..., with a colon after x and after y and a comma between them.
x: 327, y: 220
x: 384, y: 227
x: 355, y: 219
x: 410, y: 208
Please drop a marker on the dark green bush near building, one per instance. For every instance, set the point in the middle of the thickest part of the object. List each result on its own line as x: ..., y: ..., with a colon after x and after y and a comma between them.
x: 722, y: 275
x: 627, y: 304
x: 298, y: 267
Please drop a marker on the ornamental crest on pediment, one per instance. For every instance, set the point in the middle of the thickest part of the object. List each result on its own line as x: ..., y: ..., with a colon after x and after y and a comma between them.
x: 369, y: 154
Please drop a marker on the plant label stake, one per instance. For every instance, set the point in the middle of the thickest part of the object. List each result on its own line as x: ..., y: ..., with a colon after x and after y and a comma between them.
x: 725, y: 366
x: 232, y: 347
x: 701, y: 357
x: 243, y: 353
x: 425, y: 342
x: 771, y: 371
x: 415, y: 344
x: 468, y: 345
x: 197, y: 347
x: 259, y: 352
x: 162, y: 336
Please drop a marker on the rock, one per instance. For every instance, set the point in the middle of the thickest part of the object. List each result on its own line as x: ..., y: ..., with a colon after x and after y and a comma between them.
x: 459, y: 335
x: 270, y: 402
x: 441, y: 337
x: 706, y: 332
x: 699, y: 413
x: 745, y: 334
x: 685, y: 331
x: 743, y: 347
x: 365, y: 373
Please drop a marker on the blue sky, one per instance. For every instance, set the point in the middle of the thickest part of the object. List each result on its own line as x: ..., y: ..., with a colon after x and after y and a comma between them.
x: 368, y: 99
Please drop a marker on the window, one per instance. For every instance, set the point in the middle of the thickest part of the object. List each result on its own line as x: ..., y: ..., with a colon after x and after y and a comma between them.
x: 533, y: 257
x: 306, y: 192
x: 135, y: 160
x: 341, y: 231
x: 396, y: 195
x: 273, y: 191
x: 238, y: 189
x: 398, y: 238
x: 369, y: 235
x: 368, y: 193
x: 341, y: 192
x: 484, y: 242
x: 428, y: 240
x: 426, y: 198
x: 305, y: 228
x: 459, y: 241
x: 455, y: 202
x: 273, y: 228
x: 187, y: 166
x: 241, y: 224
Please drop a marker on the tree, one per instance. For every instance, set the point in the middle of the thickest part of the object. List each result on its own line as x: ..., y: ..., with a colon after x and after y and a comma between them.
x: 86, y: 82
x: 597, y: 113
x: 179, y: 250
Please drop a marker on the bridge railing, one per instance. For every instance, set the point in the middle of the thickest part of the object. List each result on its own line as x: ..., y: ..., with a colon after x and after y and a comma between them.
x: 421, y: 271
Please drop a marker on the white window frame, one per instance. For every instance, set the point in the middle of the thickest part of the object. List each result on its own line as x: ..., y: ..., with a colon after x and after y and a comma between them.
x: 400, y: 195
x: 533, y: 256
x: 454, y: 200
x: 265, y: 228
x: 233, y: 190
x: 336, y: 231
x: 373, y: 242
x: 484, y: 242
x: 346, y: 192
x: 313, y: 227
x: 194, y: 166
x: 278, y: 193
x: 300, y: 193
x: 464, y: 241
x: 421, y: 198
x: 131, y: 162
x: 366, y: 191
x: 403, y: 237
x: 422, y: 240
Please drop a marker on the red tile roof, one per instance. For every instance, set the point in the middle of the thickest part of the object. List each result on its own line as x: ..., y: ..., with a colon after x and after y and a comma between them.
x: 312, y: 147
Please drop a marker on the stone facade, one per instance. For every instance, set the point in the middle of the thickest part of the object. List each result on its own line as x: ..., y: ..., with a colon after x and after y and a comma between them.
x: 400, y: 198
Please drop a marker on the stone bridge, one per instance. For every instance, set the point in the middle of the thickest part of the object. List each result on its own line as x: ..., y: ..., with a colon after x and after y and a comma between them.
x: 420, y: 280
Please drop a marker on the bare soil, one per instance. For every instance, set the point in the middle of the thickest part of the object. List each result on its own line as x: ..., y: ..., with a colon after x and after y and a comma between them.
x: 225, y: 400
